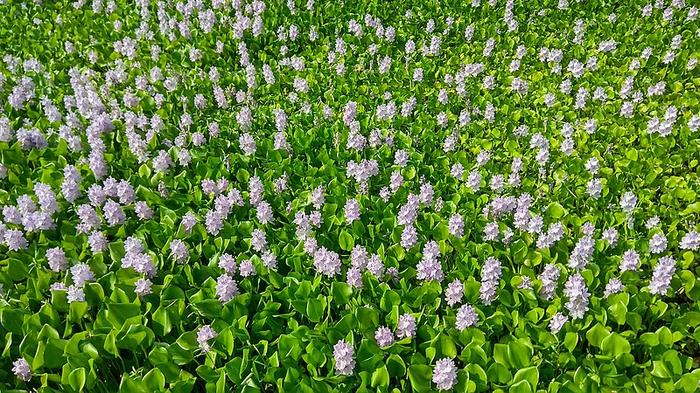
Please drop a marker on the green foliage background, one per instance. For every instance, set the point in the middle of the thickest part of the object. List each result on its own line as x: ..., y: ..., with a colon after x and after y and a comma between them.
x: 278, y: 334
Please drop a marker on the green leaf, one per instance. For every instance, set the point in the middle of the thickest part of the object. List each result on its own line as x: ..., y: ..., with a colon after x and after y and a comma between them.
x: 154, y: 380
x: 596, y: 334
x: 660, y: 370
x: 614, y: 345
x: 570, y: 341
x: 17, y: 269
x: 342, y: 292
x: 290, y: 347
x: 519, y: 354
x: 314, y: 309
x: 395, y: 365
x: 368, y: 355
x: 380, y: 377
x: 447, y: 346
x: 210, y: 308
x: 76, y: 379
x: 499, y: 373
x: 619, y: 312
x: 529, y: 374
x: 389, y: 300
x: 555, y: 210
x: 118, y: 313
x: 500, y: 354
x: 347, y: 242
x: 521, y: 387
x: 368, y: 318
x: 78, y: 311
x: 420, y: 376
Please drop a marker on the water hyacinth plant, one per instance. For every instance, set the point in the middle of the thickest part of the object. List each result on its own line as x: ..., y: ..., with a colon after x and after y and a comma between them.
x: 349, y: 196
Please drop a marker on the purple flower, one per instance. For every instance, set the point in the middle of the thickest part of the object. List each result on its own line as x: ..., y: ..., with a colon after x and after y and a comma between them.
x: 71, y: 183
x: 557, y: 322
x: 466, y: 317
x: 22, y: 370
x: 37, y: 221
x: 409, y: 237
x: 395, y: 181
x: 258, y: 240
x: 352, y: 211
x: 445, y: 374
x: 691, y: 241
x: 14, y: 239
x: 343, y: 354
x: 317, y: 197
x: 246, y: 268
x: 97, y: 242
x: 137, y: 259
x: 162, y: 162
x: 143, y: 287
x: 213, y: 221
x: 113, y: 213
x: 628, y: 202
x: 491, y: 231
x: 454, y: 292
x: 662, y: 275
x: 613, y: 286
x: 408, y: 213
x: 582, y: 253
x: 228, y: 263
x: 456, y: 225
x: 26, y: 205
x: 143, y: 212
x: 57, y: 259
x: 375, y: 266
x: 525, y: 283
x: 406, y: 326
x: 75, y: 294
x: 550, y: 279
x: 179, y: 251
x: 490, y: 277
x: 474, y: 181
x: 255, y: 190
x: 31, y: 139
x: 89, y: 220
x: 426, y: 194
x: 263, y: 212
x: 401, y: 158
x: 226, y: 288
x: 630, y: 261
x: 658, y: 243
x: 12, y: 215
x: 358, y: 257
x: 247, y: 143
x: 384, y: 336
x: 429, y: 268
x: 457, y: 171
x: 310, y: 245
x: 326, y: 262
x: 80, y: 274
x: 188, y: 221
x: 125, y: 192
x: 96, y: 195
x: 610, y: 235
x: 576, y: 291
x: 269, y: 259
x: 204, y: 334
x: 354, y: 277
